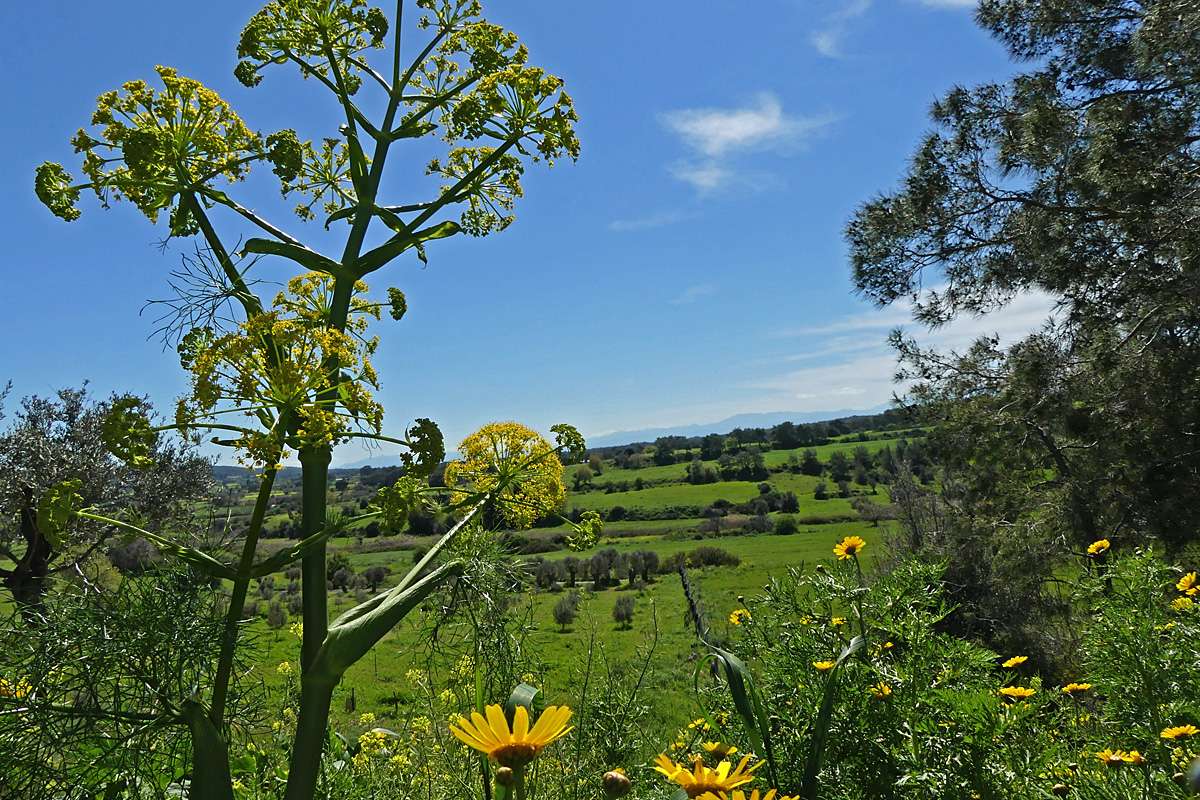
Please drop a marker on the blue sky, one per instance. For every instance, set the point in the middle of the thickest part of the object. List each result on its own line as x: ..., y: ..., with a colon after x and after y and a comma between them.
x: 690, y: 266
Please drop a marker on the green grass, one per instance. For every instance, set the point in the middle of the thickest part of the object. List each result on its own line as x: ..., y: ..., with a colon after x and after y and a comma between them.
x: 380, y: 675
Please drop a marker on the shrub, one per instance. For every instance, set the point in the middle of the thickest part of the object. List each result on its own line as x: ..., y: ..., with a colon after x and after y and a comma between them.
x: 786, y: 525
x: 623, y: 612
x: 566, y: 609
x: 709, y: 556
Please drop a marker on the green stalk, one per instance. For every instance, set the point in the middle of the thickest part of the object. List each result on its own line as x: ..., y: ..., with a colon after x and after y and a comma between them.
x: 314, y: 464
x: 316, y: 694
x: 237, y: 602
x: 316, y: 691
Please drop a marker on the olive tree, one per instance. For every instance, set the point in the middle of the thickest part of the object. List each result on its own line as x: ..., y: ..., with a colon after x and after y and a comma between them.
x: 53, y: 440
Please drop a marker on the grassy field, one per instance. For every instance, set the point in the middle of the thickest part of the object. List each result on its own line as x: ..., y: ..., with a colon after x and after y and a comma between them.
x: 378, y: 681
x: 659, y: 631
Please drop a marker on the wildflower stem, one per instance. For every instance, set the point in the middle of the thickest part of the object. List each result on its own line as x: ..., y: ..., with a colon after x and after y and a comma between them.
x: 237, y: 601
x: 862, y: 624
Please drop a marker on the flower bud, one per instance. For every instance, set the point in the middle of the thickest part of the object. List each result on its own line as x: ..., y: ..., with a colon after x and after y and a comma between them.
x: 616, y: 784
x: 506, y: 777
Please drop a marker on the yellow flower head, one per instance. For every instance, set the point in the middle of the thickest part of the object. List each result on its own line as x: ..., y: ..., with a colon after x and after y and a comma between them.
x: 702, y: 780
x: 837, y: 621
x: 17, y: 690
x: 719, y: 749
x: 1179, y: 731
x: 1120, y: 758
x: 515, y: 462
x: 1098, y: 548
x: 738, y: 616
x: 1184, y: 603
x: 518, y: 746
x: 1016, y: 692
x: 824, y: 666
x: 1076, y: 688
x: 1015, y: 662
x: 849, y: 547
x: 770, y: 794
x: 1187, y: 585
x: 880, y: 691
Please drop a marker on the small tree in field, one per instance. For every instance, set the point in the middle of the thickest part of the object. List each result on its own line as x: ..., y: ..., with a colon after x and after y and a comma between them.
x: 566, y: 609
x: 623, y: 612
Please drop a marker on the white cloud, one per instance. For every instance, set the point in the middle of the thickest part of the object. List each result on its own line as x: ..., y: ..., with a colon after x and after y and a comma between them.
x: 715, y: 134
x: 704, y: 176
x: 828, y: 42
x: 863, y: 378
x: 828, y: 39
x: 693, y: 293
x: 658, y: 220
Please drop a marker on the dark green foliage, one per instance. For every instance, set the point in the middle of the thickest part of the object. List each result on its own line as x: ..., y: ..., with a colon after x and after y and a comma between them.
x: 1076, y: 178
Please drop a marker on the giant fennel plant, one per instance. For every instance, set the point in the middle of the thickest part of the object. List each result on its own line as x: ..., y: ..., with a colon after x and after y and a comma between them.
x: 293, y: 377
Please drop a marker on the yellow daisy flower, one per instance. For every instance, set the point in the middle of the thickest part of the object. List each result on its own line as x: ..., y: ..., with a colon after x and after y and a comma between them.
x: 1179, y: 731
x: 823, y: 666
x: 1098, y: 548
x: 1014, y: 662
x: 1187, y: 585
x: 702, y: 780
x: 1016, y: 692
x: 880, y: 691
x: 1119, y: 758
x: 1076, y: 688
x: 518, y: 746
x: 719, y: 749
x: 849, y: 547
x: 754, y: 795
x: 738, y: 616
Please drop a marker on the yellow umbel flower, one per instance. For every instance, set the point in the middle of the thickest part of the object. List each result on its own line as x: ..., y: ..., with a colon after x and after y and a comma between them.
x: 824, y: 666
x: 516, y: 462
x: 1187, y: 585
x: 1076, y: 688
x: 739, y: 615
x: 1179, y: 731
x: 702, y: 780
x: 1015, y: 662
x: 770, y: 794
x: 1017, y: 692
x: 849, y: 547
x: 880, y: 691
x: 516, y: 747
x: 1098, y: 548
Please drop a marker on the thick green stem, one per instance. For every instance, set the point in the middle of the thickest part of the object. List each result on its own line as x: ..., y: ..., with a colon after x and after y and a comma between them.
x: 237, y: 601
x: 316, y: 692
x: 314, y: 479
